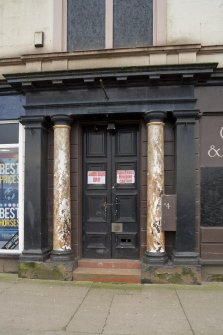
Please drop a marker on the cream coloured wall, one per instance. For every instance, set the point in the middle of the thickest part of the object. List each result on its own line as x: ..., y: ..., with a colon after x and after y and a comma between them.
x: 20, y: 19
x: 195, y: 21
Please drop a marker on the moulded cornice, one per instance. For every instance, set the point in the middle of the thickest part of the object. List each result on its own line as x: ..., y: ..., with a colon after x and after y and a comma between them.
x: 163, y: 55
x: 185, y: 74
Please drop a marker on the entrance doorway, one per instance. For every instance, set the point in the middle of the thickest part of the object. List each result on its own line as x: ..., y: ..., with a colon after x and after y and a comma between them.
x: 110, y: 195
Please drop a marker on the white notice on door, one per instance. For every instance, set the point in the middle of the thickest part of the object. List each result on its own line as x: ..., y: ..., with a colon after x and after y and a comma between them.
x: 96, y: 177
x: 125, y: 176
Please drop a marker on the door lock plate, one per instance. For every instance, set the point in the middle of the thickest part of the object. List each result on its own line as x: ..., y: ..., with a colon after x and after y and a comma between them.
x: 117, y: 227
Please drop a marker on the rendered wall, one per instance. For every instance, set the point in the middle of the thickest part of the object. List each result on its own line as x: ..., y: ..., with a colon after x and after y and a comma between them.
x: 19, y: 20
x: 195, y: 21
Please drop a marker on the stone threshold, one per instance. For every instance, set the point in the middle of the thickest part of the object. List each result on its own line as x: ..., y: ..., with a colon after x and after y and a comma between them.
x: 108, y: 271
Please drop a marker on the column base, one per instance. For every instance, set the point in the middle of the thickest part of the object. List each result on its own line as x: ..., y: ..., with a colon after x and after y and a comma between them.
x: 38, y: 255
x: 61, y: 256
x: 47, y: 270
x: 155, y: 258
x: 187, y: 258
x: 171, y: 274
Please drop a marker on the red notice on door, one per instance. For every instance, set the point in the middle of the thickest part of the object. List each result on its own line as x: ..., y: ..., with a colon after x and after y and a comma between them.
x: 96, y: 177
x: 125, y: 176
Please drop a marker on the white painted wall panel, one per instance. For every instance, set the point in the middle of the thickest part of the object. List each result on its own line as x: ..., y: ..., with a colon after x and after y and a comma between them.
x: 195, y: 21
x: 19, y: 20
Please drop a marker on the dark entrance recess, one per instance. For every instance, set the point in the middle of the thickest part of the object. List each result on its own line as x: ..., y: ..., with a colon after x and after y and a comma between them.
x: 110, y: 204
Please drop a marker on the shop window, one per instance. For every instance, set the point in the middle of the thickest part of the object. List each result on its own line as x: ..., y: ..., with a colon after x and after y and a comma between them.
x: 11, y: 189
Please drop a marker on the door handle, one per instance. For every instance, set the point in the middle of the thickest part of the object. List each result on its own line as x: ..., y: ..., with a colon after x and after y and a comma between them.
x: 116, y: 208
x: 106, y: 205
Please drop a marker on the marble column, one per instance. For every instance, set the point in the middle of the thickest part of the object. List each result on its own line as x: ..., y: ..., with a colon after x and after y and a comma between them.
x: 62, y: 249
x: 155, y: 252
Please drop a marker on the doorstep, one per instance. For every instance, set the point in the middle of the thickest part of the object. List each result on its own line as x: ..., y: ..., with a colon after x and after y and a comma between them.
x: 108, y: 271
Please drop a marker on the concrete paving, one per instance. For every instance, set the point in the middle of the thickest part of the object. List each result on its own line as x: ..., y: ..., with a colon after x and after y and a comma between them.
x: 38, y: 307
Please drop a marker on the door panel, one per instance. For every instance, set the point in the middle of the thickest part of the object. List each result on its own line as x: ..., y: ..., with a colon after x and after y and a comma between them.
x: 95, y: 208
x: 126, y: 144
x: 96, y: 143
x: 110, y: 210
x: 126, y: 208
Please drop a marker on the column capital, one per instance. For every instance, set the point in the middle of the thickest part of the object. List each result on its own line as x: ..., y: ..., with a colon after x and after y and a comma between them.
x: 35, y: 121
x: 61, y: 120
x: 155, y: 116
x: 186, y: 116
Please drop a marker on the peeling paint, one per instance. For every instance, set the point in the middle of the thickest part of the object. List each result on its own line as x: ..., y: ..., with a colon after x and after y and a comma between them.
x: 62, y: 201
x: 155, y: 186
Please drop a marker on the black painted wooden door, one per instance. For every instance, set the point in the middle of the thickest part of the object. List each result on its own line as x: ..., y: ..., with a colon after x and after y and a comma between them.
x: 110, y: 195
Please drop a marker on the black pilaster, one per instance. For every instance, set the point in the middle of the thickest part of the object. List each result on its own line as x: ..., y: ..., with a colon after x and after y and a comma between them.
x: 36, y: 246
x: 185, y: 252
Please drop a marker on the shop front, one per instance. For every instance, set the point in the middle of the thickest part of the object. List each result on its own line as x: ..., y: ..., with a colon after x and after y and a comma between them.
x: 110, y: 168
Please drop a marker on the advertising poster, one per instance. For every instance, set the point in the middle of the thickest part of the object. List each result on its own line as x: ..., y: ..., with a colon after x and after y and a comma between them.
x: 9, y: 181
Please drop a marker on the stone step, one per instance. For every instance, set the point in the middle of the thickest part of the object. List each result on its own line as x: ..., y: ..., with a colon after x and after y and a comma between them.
x: 108, y: 275
x: 109, y: 263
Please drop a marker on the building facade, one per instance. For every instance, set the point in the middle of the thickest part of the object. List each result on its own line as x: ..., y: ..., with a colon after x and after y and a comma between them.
x: 111, y: 119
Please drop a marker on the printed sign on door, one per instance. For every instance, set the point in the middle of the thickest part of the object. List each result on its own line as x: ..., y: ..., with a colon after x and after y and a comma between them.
x: 125, y: 176
x: 96, y: 177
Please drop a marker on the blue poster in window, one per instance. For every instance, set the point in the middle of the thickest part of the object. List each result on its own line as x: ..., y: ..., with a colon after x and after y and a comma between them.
x: 9, y: 181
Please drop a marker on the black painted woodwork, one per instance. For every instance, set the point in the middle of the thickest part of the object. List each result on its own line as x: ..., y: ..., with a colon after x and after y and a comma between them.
x: 185, y: 185
x: 111, y: 202
x: 135, y: 76
x: 85, y: 102
x: 36, y: 246
x: 212, y: 196
x: 155, y: 116
x: 85, y: 24
x: 133, y: 23
x: 138, y: 93
x: 61, y: 119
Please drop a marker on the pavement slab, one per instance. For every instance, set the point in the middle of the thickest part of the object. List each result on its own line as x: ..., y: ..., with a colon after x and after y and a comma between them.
x: 39, y: 307
x: 35, y: 307
x: 30, y: 332
x: 6, y: 281
x: 204, y: 310
x: 93, y: 312
x: 4, y: 286
x: 157, y: 312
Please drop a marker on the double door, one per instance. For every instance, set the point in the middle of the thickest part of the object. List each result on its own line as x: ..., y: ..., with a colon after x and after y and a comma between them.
x: 110, y: 196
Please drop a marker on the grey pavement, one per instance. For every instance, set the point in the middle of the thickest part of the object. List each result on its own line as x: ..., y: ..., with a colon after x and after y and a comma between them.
x: 39, y: 307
